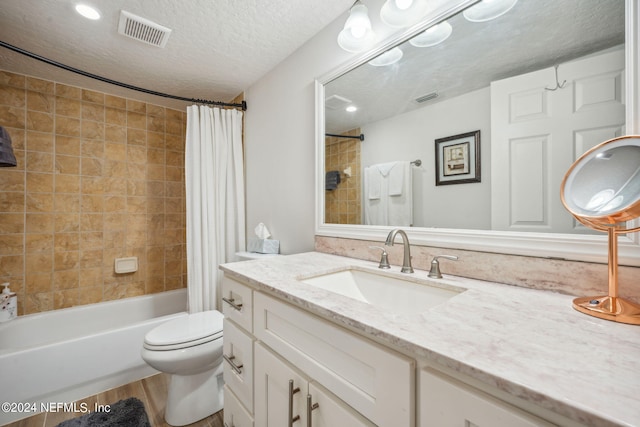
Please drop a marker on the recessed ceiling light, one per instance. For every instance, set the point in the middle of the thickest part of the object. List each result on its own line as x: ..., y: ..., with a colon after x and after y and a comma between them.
x: 351, y: 108
x: 88, y: 12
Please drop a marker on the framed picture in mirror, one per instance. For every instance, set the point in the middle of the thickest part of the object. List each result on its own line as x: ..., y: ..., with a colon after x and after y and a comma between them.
x: 458, y: 158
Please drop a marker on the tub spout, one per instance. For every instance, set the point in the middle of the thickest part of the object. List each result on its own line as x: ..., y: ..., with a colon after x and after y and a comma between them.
x: 406, y: 263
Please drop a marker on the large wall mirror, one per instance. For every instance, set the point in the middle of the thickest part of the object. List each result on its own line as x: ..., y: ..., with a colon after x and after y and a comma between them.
x: 479, y: 122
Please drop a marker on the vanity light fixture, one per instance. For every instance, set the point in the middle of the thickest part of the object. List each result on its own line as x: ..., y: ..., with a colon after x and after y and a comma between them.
x: 433, y: 35
x: 357, y: 34
x: 351, y: 109
x: 389, y: 57
x: 87, y: 11
x: 402, y: 13
x: 486, y: 10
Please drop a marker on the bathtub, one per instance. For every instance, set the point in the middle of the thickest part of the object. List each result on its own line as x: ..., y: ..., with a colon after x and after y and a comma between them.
x: 65, y: 355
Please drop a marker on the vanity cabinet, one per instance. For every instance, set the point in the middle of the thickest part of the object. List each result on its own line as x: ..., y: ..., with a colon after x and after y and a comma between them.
x: 447, y: 402
x: 353, y: 380
x: 363, y: 382
x: 286, y: 397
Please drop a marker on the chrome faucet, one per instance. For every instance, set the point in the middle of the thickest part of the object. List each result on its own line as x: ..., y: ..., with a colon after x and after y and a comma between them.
x: 406, y: 263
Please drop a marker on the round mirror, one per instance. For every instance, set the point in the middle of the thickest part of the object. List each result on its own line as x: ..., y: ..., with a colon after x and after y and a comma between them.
x: 602, y: 190
x: 603, y: 186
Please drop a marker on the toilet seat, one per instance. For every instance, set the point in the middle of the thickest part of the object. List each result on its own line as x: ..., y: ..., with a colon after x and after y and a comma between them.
x: 188, y: 331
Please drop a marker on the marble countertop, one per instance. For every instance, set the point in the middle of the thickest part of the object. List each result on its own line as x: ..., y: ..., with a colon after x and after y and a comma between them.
x: 529, y: 343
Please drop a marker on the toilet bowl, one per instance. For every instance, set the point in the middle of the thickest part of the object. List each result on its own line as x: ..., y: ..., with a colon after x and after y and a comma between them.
x: 189, y: 348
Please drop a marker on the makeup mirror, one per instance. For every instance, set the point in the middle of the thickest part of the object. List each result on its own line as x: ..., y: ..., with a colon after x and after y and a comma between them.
x: 602, y: 191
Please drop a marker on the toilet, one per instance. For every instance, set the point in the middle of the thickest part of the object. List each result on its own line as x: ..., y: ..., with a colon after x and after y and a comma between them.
x: 189, y: 348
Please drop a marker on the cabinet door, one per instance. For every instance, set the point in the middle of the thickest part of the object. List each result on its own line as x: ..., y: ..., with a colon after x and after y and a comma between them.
x: 332, y: 412
x: 272, y: 395
x: 234, y: 414
x: 446, y: 402
x: 376, y: 381
x: 237, y: 303
x: 238, y: 364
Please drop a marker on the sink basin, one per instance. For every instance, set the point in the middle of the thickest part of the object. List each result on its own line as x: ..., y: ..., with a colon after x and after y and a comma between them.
x: 383, y: 291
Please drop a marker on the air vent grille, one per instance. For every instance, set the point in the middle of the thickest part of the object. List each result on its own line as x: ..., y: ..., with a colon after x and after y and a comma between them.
x: 427, y: 97
x: 142, y: 29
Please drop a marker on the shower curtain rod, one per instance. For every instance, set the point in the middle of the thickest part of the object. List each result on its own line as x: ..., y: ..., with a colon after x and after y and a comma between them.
x: 242, y: 105
x: 360, y: 137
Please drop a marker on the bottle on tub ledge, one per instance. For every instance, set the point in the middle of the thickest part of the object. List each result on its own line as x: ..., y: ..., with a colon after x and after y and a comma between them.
x: 8, y: 304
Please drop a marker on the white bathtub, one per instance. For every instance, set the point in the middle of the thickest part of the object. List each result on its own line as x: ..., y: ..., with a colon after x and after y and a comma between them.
x: 65, y: 355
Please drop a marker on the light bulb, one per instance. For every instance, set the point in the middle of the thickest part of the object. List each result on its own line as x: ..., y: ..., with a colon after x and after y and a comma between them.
x: 356, y: 35
x: 404, y: 4
x: 358, y: 31
x: 402, y: 13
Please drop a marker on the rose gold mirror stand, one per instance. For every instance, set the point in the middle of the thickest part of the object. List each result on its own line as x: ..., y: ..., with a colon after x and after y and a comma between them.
x: 611, y: 306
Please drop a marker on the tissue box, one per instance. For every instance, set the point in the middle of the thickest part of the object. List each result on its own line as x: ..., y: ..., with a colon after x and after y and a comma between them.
x: 263, y: 246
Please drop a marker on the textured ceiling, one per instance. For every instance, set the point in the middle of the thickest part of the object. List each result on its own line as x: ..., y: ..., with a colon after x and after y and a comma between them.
x: 217, y: 48
x: 535, y: 34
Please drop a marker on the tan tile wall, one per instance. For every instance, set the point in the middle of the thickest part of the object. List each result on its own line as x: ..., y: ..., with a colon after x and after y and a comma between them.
x: 98, y: 177
x: 343, y: 205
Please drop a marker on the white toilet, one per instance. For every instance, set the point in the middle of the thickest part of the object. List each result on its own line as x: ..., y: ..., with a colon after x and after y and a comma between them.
x: 190, y: 349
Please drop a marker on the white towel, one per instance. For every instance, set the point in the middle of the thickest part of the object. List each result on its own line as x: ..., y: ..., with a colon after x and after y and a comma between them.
x: 379, y: 207
x: 385, y: 168
x: 400, y: 208
x: 396, y: 178
x: 372, y: 183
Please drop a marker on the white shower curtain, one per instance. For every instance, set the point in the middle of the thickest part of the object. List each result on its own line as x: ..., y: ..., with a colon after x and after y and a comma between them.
x: 215, y: 199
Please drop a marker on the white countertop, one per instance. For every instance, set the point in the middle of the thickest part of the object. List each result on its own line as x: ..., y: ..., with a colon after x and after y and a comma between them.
x: 529, y: 343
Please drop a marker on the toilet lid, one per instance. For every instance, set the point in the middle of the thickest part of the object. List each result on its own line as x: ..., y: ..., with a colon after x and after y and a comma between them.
x: 187, y: 329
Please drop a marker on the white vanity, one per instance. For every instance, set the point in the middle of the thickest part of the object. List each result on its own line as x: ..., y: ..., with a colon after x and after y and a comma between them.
x: 299, y: 354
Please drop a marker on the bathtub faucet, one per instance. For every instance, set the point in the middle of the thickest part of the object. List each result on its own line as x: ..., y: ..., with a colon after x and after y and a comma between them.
x: 406, y: 263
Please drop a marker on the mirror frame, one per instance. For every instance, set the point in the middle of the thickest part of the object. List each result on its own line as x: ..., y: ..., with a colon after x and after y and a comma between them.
x: 589, y: 248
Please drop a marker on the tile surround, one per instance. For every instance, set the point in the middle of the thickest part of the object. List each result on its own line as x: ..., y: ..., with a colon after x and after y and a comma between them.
x: 98, y: 177
x: 343, y: 204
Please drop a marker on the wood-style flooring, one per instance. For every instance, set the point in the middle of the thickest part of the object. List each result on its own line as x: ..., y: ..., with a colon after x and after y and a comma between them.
x: 152, y: 391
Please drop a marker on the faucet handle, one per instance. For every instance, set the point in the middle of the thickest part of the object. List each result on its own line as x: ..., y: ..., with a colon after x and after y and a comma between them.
x: 435, y: 265
x: 384, y: 259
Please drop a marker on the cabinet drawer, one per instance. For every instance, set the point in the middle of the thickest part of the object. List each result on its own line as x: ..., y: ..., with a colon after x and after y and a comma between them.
x: 446, y: 402
x: 235, y: 415
x: 237, y: 303
x: 238, y: 350
x: 375, y: 381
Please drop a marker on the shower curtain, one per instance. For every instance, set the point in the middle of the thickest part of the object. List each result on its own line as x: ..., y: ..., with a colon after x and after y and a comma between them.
x: 215, y: 199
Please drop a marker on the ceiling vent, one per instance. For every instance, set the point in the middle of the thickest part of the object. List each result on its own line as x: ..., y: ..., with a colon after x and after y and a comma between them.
x: 335, y: 102
x: 142, y: 29
x: 427, y: 97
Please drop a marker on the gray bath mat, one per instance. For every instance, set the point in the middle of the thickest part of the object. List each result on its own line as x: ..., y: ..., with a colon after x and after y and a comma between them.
x: 124, y: 413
